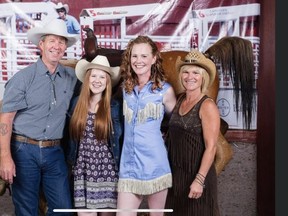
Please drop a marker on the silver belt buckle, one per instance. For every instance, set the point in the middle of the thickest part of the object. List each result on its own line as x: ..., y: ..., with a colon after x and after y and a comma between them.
x: 40, y: 143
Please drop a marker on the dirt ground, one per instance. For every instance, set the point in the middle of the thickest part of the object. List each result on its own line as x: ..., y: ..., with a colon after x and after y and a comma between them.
x: 236, y: 185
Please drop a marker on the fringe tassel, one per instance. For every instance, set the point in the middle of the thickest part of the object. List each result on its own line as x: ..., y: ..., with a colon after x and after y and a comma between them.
x: 128, y: 113
x: 206, y: 205
x: 150, y: 110
x: 143, y: 187
x: 183, y: 154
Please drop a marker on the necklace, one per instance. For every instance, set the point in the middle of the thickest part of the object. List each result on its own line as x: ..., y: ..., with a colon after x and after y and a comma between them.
x: 190, y: 114
x: 185, y: 123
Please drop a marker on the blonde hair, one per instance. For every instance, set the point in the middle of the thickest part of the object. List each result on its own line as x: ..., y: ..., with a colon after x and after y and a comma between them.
x: 102, y: 123
x: 202, y: 71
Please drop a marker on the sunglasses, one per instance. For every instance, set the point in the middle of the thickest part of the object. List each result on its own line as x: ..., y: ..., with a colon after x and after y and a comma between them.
x: 60, y: 11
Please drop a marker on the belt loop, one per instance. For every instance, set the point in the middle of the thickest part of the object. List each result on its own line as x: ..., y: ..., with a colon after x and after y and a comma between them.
x: 40, y: 143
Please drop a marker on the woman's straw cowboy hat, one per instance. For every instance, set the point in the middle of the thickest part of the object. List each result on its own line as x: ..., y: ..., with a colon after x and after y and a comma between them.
x: 54, y: 27
x: 99, y: 62
x: 197, y: 58
x: 60, y: 5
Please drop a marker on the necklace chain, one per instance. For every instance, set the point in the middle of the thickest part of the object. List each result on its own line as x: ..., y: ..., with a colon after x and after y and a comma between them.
x: 190, y: 114
x: 185, y: 124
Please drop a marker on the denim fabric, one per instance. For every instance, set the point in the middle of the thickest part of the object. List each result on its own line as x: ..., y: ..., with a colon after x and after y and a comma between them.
x: 144, y: 155
x: 39, y: 167
x: 116, y: 138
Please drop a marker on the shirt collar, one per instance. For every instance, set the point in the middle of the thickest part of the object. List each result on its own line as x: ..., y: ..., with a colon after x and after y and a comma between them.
x: 60, y: 70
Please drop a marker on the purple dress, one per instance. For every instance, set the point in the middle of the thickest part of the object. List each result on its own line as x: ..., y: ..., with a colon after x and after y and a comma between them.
x: 95, y: 173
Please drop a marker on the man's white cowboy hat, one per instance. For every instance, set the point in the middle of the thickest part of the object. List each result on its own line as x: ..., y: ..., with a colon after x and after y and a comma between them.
x: 60, y: 5
x: 99, y: 62
x: 54, y: 27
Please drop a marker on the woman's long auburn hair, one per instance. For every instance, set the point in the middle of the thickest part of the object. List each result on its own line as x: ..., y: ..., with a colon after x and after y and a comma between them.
x: 103, y: 122
x: 130, y: 79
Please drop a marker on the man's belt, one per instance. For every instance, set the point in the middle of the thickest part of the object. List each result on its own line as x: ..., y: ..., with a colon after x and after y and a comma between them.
x: 41, y: 143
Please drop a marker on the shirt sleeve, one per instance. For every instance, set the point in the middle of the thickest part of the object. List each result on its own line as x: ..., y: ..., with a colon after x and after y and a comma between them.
x: 14, y: 95
x: 76, y: 25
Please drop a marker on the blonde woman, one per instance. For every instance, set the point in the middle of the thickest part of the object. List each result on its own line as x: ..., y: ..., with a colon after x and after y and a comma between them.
x: 191, y: 139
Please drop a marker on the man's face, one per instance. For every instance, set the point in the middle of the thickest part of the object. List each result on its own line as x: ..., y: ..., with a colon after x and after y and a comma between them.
x: 61, y: 12
x: 53, y: 48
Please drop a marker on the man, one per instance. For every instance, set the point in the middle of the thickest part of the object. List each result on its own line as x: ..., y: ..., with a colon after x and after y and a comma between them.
x: 33, y: 115
x: 73, y: 26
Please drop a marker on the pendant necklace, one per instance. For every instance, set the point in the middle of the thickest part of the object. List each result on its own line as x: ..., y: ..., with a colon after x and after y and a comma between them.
x: 189, y: 113
x: 185, y: 124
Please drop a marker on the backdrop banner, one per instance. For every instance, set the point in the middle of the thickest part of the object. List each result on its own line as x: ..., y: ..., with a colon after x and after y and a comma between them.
x: 174, y: 25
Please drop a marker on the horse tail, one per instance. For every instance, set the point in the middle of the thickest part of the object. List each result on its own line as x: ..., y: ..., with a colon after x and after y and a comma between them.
x: 235, y: 56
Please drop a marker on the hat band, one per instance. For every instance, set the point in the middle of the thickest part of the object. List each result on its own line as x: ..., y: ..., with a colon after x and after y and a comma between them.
x: 191, y: 61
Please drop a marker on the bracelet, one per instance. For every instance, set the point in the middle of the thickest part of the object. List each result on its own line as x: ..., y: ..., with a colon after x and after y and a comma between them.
x: 201, y: 175
x: 200, y: 182
x: 199, y: 179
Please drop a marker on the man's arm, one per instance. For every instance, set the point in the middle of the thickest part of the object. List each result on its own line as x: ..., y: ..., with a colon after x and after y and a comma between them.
x: 7, y: 166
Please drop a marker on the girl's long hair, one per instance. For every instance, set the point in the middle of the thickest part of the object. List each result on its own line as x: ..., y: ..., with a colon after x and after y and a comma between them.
x: 102, y: 123
x: 130, y: 79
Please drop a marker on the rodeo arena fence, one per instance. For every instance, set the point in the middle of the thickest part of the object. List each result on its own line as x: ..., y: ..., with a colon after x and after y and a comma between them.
x: 110, y: 27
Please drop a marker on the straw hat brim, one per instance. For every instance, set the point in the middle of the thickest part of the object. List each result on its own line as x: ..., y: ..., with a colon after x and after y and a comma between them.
x: 83, y: 65
x: 203, y: 62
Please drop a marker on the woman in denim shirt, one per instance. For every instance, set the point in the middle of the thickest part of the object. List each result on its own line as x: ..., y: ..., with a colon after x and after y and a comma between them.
x: 144, y: 166
x: 95, y: 130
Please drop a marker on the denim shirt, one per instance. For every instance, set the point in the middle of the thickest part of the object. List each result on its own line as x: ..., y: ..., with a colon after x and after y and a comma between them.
x: 115, y: 139
x: 144, y: 155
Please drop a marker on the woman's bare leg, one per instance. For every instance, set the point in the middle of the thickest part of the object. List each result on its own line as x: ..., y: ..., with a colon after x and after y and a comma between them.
x: 107, y: 213
x: 87, y: 213
x: 157, y: 201
x: 128, y: 201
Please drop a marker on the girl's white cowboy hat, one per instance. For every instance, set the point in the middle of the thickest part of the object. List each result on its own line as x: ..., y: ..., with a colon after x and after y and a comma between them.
x: 54, y: 27
x: 99, y: 62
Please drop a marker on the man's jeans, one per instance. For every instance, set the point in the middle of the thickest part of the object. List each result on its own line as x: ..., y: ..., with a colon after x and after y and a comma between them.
x: 39, y: 167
